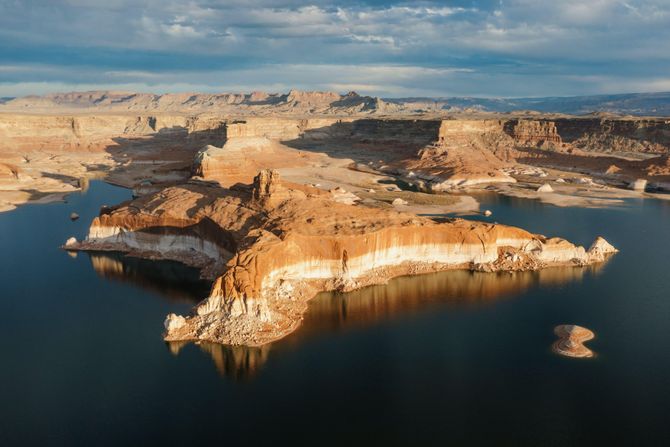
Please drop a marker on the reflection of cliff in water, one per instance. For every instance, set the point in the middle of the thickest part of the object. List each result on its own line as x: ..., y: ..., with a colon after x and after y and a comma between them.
x: 333, y: 311
x: 336, y: 311
x: 236, y: 362
x: 173, y: 280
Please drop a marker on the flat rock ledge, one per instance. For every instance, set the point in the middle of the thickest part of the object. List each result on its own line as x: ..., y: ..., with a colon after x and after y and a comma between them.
x: 571, y: 341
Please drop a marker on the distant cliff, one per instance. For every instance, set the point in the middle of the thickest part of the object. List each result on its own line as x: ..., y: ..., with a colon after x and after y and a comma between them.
x: 297, y: 102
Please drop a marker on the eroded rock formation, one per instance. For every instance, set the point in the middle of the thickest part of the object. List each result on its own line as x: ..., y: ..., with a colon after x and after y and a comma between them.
x: 571, y: 341
x: 48, y: 143
x: 443, y: 154
x: 271, y: 246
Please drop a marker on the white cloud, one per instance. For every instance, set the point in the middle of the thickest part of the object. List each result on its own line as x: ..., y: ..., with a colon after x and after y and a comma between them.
x: 409, y: 47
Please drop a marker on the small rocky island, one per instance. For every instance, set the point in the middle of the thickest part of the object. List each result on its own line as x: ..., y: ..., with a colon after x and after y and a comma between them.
x: 571, y: 341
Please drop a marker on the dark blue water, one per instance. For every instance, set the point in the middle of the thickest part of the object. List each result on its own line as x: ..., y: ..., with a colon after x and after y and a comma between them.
x: 453, y: 358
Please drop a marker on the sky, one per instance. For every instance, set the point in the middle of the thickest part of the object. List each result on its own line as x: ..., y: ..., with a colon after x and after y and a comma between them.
x: 495, y: 48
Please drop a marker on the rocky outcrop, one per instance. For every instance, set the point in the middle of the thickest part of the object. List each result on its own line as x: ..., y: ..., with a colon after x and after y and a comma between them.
x: 466, y: 153
x: 533, y: 133
x: 236, y: 160
x: 272, y: 246
x: 624, y: 135
x: 571, y: 341
x: 9, y: 172
x: 638, y: 185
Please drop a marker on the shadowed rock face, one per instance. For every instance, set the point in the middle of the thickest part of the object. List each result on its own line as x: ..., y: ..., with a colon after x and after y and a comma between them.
x: 272, y: 246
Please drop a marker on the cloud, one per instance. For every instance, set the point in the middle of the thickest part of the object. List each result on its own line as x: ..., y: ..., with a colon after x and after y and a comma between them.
x: 468, y: 47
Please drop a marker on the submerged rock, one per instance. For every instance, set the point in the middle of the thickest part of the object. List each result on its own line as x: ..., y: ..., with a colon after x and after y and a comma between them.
x: 571, y: 341
x: 74, y: 216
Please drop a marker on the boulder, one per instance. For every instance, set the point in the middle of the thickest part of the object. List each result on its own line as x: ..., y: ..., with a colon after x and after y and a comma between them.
x: 545, y: 188
x: 74, y: 216
x: 399, y: 202
x: 341, y: 195
x: 173, y: 322
x: 571, y: 339
x: 638, y: 185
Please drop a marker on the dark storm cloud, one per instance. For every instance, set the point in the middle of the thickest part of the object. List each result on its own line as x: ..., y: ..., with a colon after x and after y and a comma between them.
x: 500, y: 48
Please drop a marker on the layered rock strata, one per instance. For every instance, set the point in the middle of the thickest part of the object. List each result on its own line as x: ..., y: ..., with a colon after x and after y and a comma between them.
x: 272, y: 246
x: 46, y: 154
x: 443, y: 154
x: 571, y: 341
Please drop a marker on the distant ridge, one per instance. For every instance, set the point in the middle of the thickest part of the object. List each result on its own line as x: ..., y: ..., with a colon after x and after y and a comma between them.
x: 293, y: 102
x: 639, y: 104
x: 297, y: 102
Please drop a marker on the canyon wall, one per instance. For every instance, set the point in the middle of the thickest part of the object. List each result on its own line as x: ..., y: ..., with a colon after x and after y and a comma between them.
x: 438, y: 155
x: 650, y: 136
x: 76, y: 133
x: 50, y: 153
x: 23, y: 132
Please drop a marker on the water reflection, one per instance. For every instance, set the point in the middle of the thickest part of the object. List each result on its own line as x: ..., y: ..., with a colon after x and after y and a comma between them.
x: 172, y: 280
x: 235, y: 362
x: 339, y: 311
x: 333, y: 312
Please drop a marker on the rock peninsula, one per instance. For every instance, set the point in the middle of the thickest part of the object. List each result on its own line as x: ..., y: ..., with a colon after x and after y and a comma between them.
x: 270, y: 246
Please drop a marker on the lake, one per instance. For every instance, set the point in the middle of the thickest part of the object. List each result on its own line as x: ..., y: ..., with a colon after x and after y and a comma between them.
x: 449, y: 358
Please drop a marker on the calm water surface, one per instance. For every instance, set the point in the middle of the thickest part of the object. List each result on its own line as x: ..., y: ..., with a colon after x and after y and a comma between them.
x: 452, y: 358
